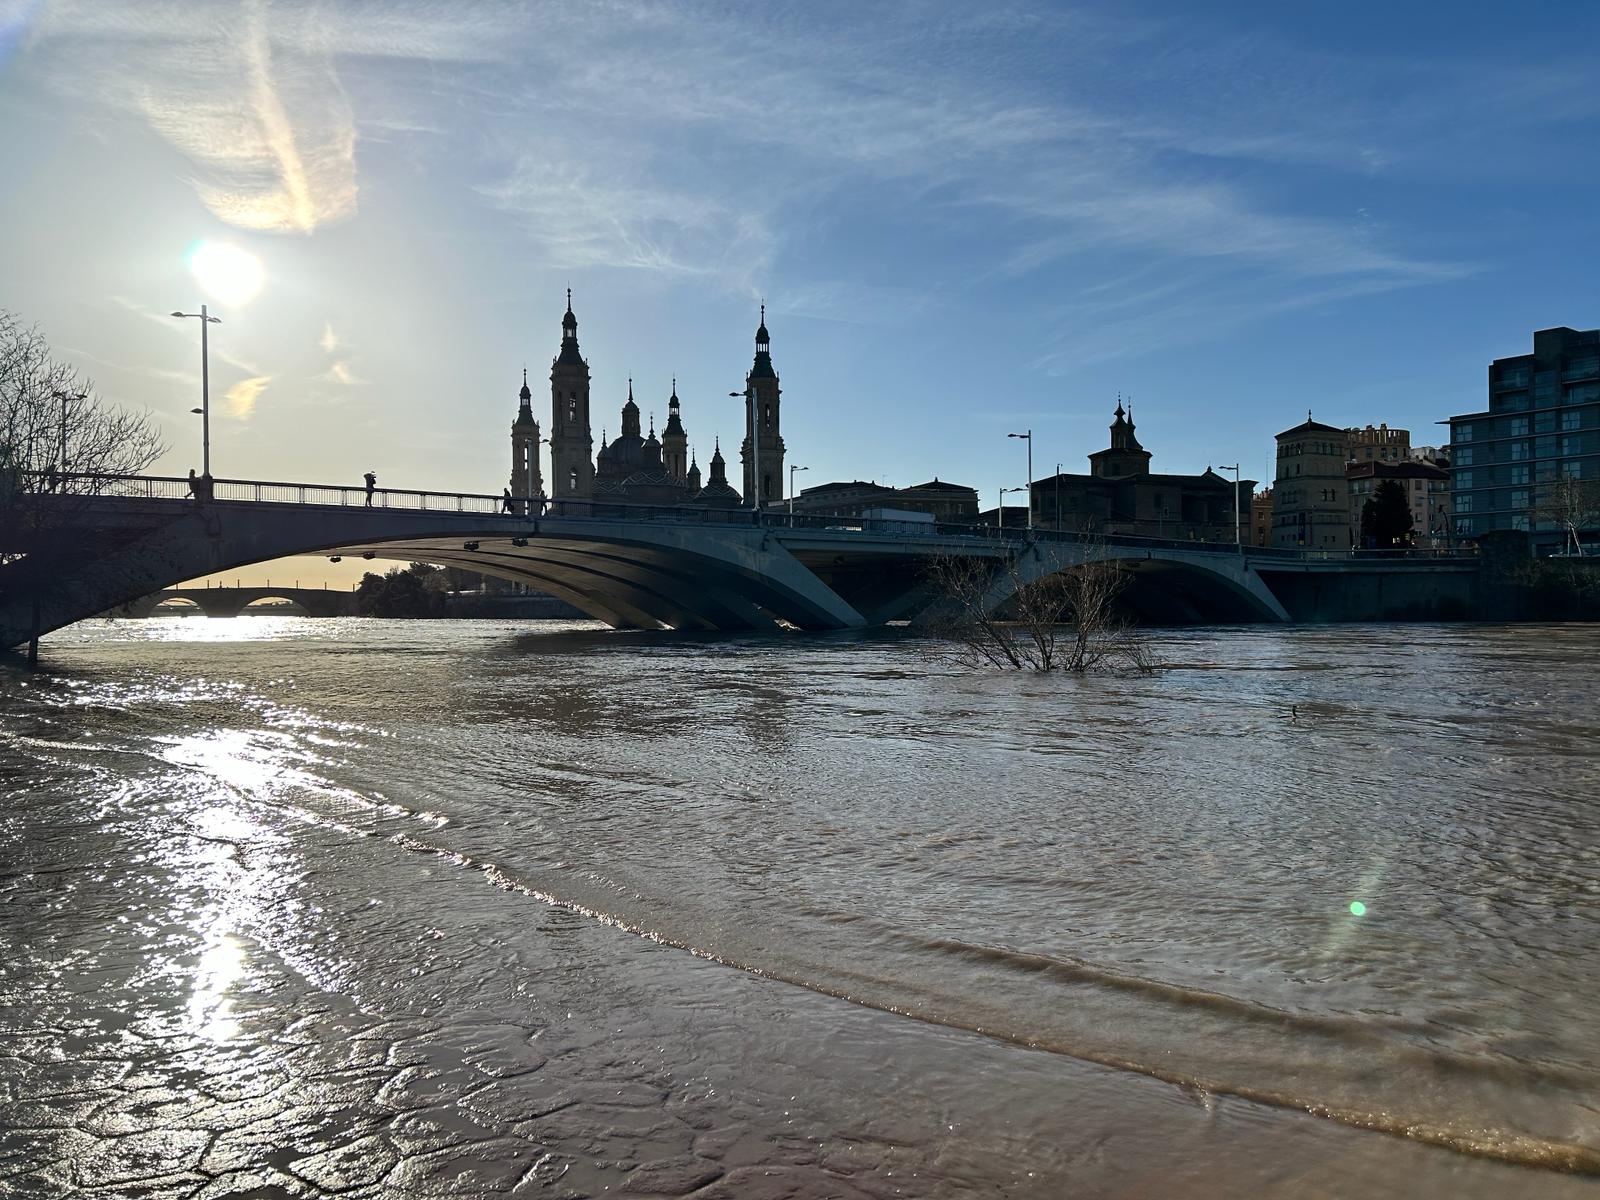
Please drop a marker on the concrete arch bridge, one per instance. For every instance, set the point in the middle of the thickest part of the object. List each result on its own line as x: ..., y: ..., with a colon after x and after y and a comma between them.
x: 632, y: 566
x: 231, y: 601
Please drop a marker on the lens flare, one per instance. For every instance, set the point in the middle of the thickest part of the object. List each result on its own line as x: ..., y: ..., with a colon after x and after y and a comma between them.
x: 226, y: 273
x: 1357, y: 909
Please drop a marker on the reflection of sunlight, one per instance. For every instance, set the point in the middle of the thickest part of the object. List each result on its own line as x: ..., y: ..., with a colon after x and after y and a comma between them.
x: 229, y: 275
x: 210, y: 1007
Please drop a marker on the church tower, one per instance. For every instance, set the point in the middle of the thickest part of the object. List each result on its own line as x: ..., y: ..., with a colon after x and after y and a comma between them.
x: 675, y: 441
x: 526, y: 481
x: 762, y: 442
x: 571, y: 444
x: 1125, y: 456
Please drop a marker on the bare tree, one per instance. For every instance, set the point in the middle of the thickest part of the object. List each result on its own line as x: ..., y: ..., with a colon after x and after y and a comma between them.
x: 1573, y: 504
x: 1068, y: 620
x: 59, y: 445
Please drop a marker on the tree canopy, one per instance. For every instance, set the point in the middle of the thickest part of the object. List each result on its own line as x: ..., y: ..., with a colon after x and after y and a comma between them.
x: 1386, y: 517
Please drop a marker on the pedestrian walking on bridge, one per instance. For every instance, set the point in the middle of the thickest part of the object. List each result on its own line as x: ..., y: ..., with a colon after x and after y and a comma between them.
x: 371, y: 478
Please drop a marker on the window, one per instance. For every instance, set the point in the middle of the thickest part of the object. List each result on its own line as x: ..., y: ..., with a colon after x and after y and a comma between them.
x: 1583, y: 393
x: 1582, y: 368
x: 1463, y: 456
x: 1519, y: 498
x: 1463, y: 433
x: 1519, y: 473
x: 1572, y: 443
x: 1571, y: 419
x: 1465, y: 526
x: 1463, y: 479
x: 572, y: 408
x: 1544, y: 447
x: 1520, y: 522
x: 1519, y: 426
x: 1519, y: 450
x: 572, y: 481
x: 1572, y: 470
x: 1464, y: 503
x: 1544, y: 422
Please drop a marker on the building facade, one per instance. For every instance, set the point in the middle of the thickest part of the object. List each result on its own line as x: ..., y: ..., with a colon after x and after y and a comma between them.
x: 1378, y: 443
x: 1310, y: 497
x: 1427, y: 489
x: 946, y: 502
x: 1261, y: 518
x: 762, y: 452
x: 1121, y: 495
x: 640, y: 467
x: 1542, y: 424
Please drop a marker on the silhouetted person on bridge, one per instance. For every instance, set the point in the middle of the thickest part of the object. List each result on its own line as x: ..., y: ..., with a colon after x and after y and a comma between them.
x: 200, y: 486
x: 508, y: 504
x: 371, y: 478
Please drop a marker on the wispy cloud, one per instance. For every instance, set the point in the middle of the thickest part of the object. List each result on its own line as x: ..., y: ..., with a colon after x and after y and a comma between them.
x: 339, y: 372
x: 329, y: 341
x: 241, y: 397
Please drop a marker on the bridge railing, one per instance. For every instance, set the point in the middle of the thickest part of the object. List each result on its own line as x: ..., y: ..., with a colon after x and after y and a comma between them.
x: 157, y: 487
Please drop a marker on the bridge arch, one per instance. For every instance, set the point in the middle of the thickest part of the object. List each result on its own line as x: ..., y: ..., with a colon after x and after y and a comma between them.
x: 1167, y: 585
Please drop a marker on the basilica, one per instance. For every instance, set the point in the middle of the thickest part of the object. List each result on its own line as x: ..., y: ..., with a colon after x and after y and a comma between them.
x: 643, y: 469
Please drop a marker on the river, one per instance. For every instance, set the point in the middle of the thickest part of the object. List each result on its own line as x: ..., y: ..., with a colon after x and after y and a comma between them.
x: 389, y: 908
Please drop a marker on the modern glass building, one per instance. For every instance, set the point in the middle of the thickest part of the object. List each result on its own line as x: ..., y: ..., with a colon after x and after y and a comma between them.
x: 1543, y: 422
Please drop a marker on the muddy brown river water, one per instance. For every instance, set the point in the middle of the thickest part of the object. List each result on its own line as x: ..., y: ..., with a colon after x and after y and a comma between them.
x: 384, y: 908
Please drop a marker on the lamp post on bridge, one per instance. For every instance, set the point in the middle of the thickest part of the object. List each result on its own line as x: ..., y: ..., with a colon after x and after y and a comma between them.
x: 1000, y: 520
x: 1238, y: 537
x: 1058, y: 497
x: 1027, y: 437
x: 753, y: 422
x: 61, y: 461
x: 204, y: 410
x: 792, y: 470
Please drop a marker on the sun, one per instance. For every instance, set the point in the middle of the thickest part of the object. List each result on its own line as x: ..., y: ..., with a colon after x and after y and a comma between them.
x: 229, y: 275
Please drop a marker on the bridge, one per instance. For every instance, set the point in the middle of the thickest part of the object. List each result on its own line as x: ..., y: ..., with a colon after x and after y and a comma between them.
x: 231, y: 601
x: 119, y: 539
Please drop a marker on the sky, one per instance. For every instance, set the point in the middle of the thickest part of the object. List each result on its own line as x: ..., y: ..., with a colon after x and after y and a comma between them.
x: 965, y: 220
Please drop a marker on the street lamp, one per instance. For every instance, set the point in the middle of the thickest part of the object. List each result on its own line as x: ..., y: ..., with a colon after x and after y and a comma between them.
x: 1238, y: 538
x: 1027, y: 437
x: 792, y: 470
x: 751, y: 423
x: 65, y: 398
x: 1000, y: 519
x: 1058, y: 497
x: 204, y: 410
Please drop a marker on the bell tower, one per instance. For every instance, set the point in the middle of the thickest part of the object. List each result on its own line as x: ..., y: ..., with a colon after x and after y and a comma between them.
x: 763, y: 444
x: 526, y: 480
x: 571, y: 443
x: 675, y: 440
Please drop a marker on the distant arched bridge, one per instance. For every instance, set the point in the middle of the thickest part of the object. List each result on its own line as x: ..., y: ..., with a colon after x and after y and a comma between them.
x: 632, y: 566
x: 231, y: 601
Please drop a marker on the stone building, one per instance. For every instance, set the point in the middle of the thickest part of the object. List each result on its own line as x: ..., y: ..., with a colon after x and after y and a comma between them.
x: 636, y: 467
x: 1310, y: 496
x: 950, y: 503
x: 763, y: 445
x: 1378, y: 444
x: 527, y: 482
x: 571, y: 443
x: 1261, y: 518
x: 1427, y: 489
x: 1120, y: 495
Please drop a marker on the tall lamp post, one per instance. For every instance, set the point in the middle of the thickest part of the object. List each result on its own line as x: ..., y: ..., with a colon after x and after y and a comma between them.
x: 204, y: 410
x: 792, y: 470
x: 65, y: 398
x: 1000, y: 513
x: 754, y: 423
x: 1238, y: 538
x: 1058, y: 497
x: 1027, y: 437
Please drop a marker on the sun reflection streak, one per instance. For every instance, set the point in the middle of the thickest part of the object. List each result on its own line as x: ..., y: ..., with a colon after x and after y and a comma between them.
x: 221, y: 966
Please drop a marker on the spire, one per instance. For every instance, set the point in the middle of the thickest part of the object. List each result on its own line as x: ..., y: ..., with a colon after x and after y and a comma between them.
x: 525, y: 395
x: 763, y: 364
x: 569, y: 335
x: 630, y: 414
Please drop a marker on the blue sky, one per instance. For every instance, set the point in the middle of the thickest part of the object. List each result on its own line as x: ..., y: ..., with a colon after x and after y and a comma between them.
x: 965, y: 219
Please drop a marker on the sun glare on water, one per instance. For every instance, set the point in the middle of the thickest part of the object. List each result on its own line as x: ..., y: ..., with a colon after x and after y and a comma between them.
x: 229, y: 275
